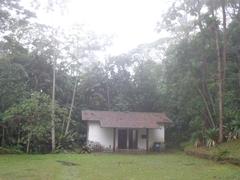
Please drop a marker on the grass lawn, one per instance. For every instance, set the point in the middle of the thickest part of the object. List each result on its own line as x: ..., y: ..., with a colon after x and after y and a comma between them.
x: 113, y: 166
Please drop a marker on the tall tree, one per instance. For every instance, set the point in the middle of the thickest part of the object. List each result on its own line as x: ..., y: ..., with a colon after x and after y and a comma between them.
x: 84, y: 46
x: 222, y: 66
x: 53, y: 106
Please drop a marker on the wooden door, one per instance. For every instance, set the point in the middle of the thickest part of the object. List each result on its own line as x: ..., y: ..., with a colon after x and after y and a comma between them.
x: 122, y: 139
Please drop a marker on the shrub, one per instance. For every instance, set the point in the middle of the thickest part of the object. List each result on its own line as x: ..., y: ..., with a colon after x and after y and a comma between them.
x: 67, y: 142
x: 198, y: 138
x: 234, y: 132
x: 183, y: 145
x: 84, y: 150
x: 221, y: 154
x: 94, y: 147
x: 10, y: 150
x: 211, y: 136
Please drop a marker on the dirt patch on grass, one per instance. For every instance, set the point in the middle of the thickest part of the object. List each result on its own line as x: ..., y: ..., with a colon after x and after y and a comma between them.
x: 67, y: 163
x: 124, y: 163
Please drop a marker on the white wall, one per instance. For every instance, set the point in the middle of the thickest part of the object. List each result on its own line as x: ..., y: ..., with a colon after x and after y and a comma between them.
x: 102, y: 135
x: 105, y: 136
x: 155, y: 135
x: 141, y: 141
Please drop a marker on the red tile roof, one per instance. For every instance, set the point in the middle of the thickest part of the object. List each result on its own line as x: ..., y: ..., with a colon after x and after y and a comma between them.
x: 126, y: 119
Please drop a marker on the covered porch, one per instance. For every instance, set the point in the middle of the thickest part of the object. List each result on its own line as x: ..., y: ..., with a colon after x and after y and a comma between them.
x: 130, y: 139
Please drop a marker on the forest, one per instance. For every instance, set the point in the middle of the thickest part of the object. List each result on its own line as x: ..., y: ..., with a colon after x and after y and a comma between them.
x: 47, y: 76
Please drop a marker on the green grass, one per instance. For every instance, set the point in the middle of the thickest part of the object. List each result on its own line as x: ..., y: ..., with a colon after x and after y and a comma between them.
x: 113, y: 166
x: 231, y: 148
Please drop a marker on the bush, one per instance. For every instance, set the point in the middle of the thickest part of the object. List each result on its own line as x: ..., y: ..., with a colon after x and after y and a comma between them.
x: 67, y: 142
x: 211, y: 136
x: 234, y: 130
x: 206, y: 137
x: 94, y: 147
x: 83, y: 150
x: 183, y: 145
x: 198, y: 138
x: 222, y: 154
x: 10, y: 150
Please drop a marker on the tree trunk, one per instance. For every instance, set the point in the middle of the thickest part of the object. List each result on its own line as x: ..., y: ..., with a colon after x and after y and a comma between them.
x: 220, y: 90
x: 221, y: 69
x: 205, y: 94
x: 239, y: 77
x: 28, y: 141
x: 3, y: 137
x: 224, y: 52
x: 18, y: 136
x: 63, y: 126
x: 108, y: 96
x: 71, y: 108
x: 207, y: 108
x: 220, y: 77
x: 53, y: 107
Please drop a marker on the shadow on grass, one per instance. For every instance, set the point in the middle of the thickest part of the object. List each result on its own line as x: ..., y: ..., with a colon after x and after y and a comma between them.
x: 66, y: 163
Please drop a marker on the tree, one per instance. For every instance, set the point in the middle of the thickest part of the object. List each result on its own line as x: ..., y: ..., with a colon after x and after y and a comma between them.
x: 82, y: 52
x: 32, y: 119
x: 53, y: 107
x: 204, y: 43
x: 8, y: 10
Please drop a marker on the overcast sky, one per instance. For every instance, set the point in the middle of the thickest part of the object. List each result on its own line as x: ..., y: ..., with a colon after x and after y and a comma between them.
x: 132, y: 22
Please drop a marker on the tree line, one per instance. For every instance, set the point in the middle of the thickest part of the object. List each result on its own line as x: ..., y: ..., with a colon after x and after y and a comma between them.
x: 47, y: 76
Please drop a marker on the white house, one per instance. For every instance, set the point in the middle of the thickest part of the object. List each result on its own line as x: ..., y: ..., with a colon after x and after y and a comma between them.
x: 125, y: 130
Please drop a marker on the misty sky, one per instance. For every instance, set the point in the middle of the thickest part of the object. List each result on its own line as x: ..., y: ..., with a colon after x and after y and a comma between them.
x: 132, y: 22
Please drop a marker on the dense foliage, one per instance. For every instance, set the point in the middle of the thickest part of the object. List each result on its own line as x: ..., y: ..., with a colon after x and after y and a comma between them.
x: 185, y: 82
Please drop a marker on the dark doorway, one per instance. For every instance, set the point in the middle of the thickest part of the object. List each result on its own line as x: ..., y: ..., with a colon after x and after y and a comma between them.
x: 133, y: 140
x: 122, y: 139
